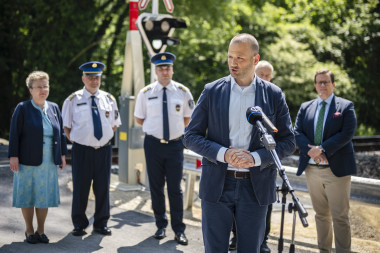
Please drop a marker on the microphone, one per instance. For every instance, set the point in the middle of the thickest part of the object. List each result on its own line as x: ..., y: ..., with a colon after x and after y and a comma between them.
x: 255, y: 113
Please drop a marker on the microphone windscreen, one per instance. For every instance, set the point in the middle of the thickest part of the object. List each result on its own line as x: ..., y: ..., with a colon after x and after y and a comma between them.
x: 268, y: 124
x: 253, y: 115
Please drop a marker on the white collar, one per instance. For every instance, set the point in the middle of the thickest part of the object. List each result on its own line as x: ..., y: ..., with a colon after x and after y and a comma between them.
x: 251, y: 87
x: 87, y: 94
x: 327, y: 100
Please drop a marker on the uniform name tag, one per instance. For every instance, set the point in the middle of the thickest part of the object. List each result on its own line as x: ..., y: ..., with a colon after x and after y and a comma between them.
x: 82, y: 104
x: 152, y: 98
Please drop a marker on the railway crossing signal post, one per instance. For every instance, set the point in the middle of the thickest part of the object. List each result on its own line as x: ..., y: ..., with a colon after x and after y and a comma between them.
x: 131, y: 137
x: 156, y: 30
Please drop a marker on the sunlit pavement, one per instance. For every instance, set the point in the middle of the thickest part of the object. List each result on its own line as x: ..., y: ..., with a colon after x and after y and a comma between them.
x: 132, y: 224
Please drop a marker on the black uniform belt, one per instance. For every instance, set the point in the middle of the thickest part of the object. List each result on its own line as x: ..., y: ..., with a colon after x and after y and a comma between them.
x: 94, y: 147
x: 238, y: 174
x: 165, y: 141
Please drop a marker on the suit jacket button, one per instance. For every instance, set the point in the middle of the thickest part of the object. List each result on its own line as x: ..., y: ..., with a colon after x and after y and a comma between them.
x: 55, y: 142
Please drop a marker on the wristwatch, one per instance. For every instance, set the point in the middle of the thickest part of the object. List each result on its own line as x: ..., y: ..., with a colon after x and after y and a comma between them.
x: 321, y: 148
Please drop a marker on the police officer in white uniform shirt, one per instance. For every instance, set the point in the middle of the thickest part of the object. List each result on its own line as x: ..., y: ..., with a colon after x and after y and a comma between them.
x: 90, y: 117
x: 164, y: 109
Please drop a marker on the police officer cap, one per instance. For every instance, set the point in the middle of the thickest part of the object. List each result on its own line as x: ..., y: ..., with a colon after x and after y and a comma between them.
x: 92, y: 68
x: 163, y: 59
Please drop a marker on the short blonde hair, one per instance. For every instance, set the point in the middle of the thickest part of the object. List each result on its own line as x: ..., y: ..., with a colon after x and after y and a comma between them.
x: 36, y: 75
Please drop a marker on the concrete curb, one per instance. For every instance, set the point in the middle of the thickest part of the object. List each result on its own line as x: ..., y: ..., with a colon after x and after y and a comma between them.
x: 364, y: 189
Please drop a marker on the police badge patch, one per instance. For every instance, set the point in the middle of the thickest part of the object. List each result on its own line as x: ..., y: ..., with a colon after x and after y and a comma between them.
x: 191, y: 104
x: 107, y: 114
x: 116, y: 114
x: 178, y: 108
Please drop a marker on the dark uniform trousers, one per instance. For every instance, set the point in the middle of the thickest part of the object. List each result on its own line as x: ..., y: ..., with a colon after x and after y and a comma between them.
x: 91, y: 164
x: 165, y: 161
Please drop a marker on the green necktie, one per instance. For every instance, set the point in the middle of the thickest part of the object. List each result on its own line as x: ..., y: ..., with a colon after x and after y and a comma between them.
x: 319, y: 129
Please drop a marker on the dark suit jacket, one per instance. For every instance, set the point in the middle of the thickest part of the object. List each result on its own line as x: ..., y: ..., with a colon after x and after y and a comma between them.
x: 208, y: 131
x: 339, y: 129
x: 26, y: 134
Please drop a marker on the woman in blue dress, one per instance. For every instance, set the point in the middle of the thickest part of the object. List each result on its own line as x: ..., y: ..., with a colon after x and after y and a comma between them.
x: 37, y: 144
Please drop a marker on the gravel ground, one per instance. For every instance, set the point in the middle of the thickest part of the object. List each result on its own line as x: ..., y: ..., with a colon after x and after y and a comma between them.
x: 364, y: 217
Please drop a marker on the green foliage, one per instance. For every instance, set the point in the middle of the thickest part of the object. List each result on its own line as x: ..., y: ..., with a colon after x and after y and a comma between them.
x: 202, y: 56
x: 53, y: 36
x: 296, y: 36
x: 363, y: 130
x: 351, y: 39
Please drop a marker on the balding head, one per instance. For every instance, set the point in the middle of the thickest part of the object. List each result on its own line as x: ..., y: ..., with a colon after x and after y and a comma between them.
x: 264, y: 70
x: 249, y: 39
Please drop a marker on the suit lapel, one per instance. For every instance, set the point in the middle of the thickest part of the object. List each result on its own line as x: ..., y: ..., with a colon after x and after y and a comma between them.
x: 225, y: 108
x: 309, y: 119
x: 52, y: 116
x: 333, y: 108
x: 260, y: 100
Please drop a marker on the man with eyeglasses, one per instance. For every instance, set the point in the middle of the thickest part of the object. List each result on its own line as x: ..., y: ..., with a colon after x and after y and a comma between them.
x: 164, y: 108
x: 324, y: 130
x: 90, y: 118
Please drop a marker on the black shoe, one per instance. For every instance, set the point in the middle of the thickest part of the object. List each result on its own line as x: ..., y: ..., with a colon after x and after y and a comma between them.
x: 78, y: 232
x: 41, y: 238
x: 264, y: 247
x: 160, y: 234
x: 31, y: 238
x: 233, y: 243
x: 180, y: 237
x: 103, y: 231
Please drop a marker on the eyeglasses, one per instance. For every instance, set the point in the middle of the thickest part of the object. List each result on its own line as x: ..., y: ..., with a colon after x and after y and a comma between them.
x: 323, y: 83
x: 41, y: 88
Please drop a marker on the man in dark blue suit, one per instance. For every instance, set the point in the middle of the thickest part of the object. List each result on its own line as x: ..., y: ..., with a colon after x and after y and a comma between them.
x: 324, y: 129
x: 238, y: 174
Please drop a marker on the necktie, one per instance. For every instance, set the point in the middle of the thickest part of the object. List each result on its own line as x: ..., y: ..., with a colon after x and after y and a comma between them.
x: 319, y: 128
x: 98, y: 133
x: 165, y: 115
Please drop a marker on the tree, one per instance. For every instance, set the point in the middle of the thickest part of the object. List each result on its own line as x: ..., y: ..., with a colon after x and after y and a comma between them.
x: 297, y: 36
x: 47, y: 35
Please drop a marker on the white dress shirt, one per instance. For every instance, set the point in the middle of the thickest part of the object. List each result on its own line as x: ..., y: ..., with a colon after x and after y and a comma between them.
x: 240, y: 129
x: 328, y: 103
x: 149, y: 107
x: 77, y: 115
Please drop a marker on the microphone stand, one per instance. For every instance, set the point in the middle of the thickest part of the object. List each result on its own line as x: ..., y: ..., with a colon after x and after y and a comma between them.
x: 292, y: 208
x: 270, y: 145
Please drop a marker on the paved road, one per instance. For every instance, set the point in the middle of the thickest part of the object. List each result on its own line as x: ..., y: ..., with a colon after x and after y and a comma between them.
x: 132, y: 230
x: 132, y: 223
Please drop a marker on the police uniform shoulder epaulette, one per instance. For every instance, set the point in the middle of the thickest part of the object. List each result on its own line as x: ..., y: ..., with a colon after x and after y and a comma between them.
x: 71, y: 96
x: 111, y: 97
x: 183, y: 88
x: 146, y: 89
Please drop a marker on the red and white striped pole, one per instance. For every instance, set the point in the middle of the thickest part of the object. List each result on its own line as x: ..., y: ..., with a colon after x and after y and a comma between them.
x: 133, y: 14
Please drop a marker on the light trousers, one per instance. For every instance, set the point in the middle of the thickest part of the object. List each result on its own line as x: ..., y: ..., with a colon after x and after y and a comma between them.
x: 330, y: 197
